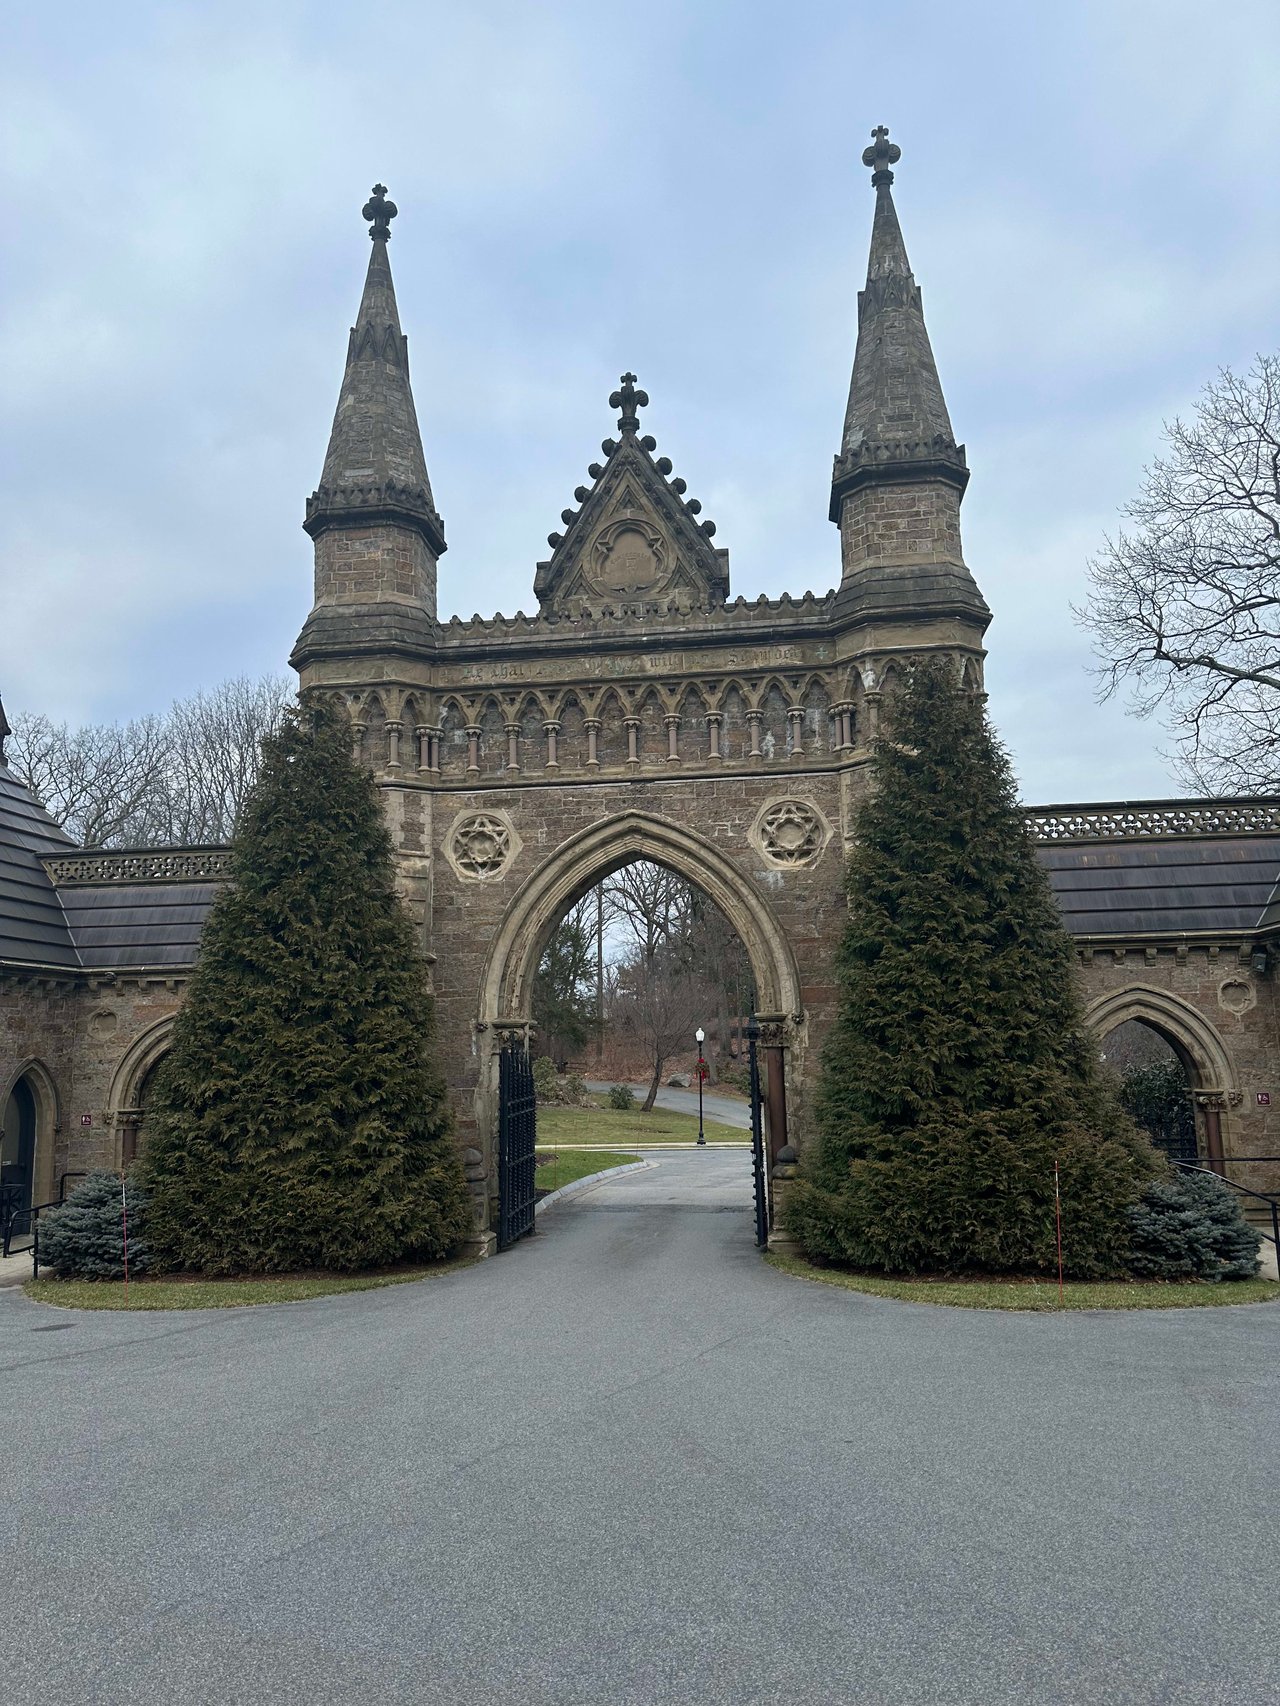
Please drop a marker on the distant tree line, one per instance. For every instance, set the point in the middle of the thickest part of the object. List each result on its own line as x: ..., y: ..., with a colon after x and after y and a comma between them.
x: 173, y: 779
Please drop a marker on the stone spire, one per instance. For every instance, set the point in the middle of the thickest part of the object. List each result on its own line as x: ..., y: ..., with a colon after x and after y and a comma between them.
x: 899, y: 476
x: 377, y: 531
x: 375, y: 459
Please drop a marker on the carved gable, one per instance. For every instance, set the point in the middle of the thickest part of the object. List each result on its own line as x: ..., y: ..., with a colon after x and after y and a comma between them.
x: 635, y: 541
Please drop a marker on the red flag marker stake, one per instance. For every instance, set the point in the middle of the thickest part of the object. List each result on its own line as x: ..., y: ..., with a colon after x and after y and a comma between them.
x: 124, y: 1221
x: 1057, y: 1209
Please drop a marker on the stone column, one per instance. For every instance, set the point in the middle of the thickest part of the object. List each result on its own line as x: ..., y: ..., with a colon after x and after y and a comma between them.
x: 473, y: 749
x: 552, y: 731
x: 593, y: 742
x: 1211, y: 1104
x: 873, y: 715
x: 513, y: 745
x: 754, y: 720
x: 436, y: 740
x: 394, y: 731
x: 844, y: 718
x: 795, y: 726
x: 714, y: 720
x: 673, y: 739
x: 632, y: 726
x: 357, y: 742
x: 422, y: 733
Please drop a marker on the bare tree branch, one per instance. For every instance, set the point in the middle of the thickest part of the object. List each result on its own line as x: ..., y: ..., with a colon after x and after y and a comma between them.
x: 1184, y: 606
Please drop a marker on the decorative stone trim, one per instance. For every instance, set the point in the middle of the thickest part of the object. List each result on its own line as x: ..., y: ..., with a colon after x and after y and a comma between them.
x: 481, y: 845
x: 1148, y: 819
x: 162, y: 865
x: 790, y: 833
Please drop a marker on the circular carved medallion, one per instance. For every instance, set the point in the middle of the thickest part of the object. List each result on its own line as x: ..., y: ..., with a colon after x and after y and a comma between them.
x: 790, y: 833
x: 629, y: 555
x: 481, y: 845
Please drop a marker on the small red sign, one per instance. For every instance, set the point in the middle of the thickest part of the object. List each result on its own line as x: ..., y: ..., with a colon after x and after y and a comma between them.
x: 1264, y: 1098
x: 86, y: 1119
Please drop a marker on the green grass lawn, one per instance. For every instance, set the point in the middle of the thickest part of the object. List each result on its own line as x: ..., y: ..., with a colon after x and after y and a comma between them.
x: 555, y: 1169
x: 220, y: 1293
x: 602, y: 1127
x: 1036, y: 1295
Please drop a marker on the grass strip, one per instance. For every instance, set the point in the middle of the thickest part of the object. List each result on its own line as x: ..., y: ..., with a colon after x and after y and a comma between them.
x: 1037, y: 1296
x: 614, y: 1125
x: 555, y: 1169
x: 222, y: 1293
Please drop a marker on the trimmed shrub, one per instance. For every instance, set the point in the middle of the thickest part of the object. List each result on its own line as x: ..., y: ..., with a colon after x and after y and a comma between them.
x: 84, y: 1237
x: 958, y: 1070
x: 300, y: 1120
x: 1189, y: 1226
x: 545, y: 1085
x: 622, y: 1097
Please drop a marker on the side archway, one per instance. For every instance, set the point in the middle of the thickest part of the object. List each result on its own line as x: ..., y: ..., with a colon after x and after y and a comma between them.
x: 1210, y: 1072
x: 1201, y: 1049
x: 31, y: 1096
x: 127, y: 1098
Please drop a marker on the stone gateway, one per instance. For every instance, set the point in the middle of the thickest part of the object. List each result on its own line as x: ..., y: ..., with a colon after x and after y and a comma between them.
x: 639, y: 712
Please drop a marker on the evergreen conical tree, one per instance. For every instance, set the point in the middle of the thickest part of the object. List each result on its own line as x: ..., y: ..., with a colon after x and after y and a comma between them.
x: 299, y: 1120
x: 959, y: 1069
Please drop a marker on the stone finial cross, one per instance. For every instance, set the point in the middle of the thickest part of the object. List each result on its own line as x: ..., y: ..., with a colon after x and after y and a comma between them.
x: 380, y: 212
x: 881, y: 155
x: 629, y: 400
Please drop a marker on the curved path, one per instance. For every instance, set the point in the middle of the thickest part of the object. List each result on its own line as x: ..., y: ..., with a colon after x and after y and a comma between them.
x: 726, y: 1109
x: 628, y: 1463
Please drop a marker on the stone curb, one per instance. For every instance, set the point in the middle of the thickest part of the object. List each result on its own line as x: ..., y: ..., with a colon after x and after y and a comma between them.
x: 576, y: 1185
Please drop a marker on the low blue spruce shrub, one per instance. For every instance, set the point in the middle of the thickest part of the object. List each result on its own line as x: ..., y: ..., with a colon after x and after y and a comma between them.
x: 1189, y: 1226
x: 83, y: 1238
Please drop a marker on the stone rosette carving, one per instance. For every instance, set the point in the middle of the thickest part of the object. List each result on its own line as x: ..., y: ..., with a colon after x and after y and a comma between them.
x: 1237, y: 995
x: 629, y: 555
x: 482, y: 845
x: 790, y: 833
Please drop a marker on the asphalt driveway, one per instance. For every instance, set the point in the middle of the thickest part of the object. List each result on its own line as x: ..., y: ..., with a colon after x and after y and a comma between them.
x: 628, y: 1463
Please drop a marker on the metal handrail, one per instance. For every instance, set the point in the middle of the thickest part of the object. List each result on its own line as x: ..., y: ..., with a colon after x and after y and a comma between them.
x: 31, y: 1213
x: 1273, y: 1203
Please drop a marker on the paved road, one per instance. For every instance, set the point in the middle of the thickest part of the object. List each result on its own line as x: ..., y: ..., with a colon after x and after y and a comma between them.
x: 627, y: 1465
x: 722, y: 1108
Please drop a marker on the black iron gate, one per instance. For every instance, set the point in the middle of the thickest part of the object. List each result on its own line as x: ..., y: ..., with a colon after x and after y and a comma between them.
x: 517, y: 1137
x: 760, y: 1183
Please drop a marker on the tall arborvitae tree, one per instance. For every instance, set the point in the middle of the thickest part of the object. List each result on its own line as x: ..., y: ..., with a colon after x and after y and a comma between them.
x: 299, y: 1120
x: 959, y: 1068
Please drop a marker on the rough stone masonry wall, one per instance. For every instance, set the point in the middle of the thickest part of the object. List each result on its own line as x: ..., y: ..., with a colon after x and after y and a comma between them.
x: 81, y: 1033
x: 892, y: 523
x: 374, y: 565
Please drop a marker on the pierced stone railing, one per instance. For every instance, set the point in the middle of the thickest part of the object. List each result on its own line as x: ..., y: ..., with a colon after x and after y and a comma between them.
x: 1144, y: 820
x: 141, y: 865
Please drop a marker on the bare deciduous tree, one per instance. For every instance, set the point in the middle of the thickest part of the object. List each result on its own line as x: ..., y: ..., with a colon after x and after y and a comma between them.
x: 1185, y: 606
x: 155, y: 781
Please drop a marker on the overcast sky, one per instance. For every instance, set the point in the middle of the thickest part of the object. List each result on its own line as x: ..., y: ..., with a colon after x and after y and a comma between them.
x: 1089, y: 193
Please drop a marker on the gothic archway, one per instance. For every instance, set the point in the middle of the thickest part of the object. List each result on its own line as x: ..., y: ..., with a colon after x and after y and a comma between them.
x: 127, y: 1096
x: 1210, y: 1072
x: 602, y: 849
x: 29, y: 1110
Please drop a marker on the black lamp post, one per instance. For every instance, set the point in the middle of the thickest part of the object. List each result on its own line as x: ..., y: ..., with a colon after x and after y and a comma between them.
x: 701, y: 1035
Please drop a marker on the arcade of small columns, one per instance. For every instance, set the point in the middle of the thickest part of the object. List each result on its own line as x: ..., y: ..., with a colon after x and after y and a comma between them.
x: 628, y: 726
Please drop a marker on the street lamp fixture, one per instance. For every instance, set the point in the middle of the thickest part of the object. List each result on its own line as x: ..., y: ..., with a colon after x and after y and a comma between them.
x: 701, y: 1036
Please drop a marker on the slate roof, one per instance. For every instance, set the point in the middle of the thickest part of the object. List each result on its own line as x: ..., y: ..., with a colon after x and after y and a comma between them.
x: 32, y: 926
x: 1185, y: 885
x: 117, y: 925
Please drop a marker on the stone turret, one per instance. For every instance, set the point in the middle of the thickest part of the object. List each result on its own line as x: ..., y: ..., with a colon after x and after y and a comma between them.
x: 900, y: 475
x: 378, y: 536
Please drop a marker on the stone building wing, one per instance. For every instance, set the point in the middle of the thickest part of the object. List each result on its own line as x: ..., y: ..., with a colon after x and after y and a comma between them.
x: 635, y: 541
